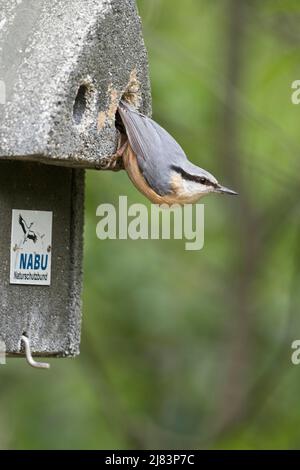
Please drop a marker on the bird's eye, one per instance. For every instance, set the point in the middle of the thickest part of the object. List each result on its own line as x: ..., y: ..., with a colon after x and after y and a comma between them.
x: 203, y: 180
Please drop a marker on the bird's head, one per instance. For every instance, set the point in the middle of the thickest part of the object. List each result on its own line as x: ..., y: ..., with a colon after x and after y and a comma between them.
x: 192, y: 182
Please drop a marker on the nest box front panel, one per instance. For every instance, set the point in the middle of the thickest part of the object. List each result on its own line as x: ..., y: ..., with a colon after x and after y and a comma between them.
x: 41, y: 213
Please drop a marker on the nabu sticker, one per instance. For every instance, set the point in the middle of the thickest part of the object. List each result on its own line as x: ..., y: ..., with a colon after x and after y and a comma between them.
x: 31, y: 247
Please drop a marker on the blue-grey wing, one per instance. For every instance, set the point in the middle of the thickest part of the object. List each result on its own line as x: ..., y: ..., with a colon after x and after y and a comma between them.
x: 155, y: 148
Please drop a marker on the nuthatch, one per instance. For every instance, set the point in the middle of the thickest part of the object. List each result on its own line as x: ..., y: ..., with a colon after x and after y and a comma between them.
x: 157, y: 165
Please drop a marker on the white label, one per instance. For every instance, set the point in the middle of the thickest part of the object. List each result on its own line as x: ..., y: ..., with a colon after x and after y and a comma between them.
x: 31, y: 247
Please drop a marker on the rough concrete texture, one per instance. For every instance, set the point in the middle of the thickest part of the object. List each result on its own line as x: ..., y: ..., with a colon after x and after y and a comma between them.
x: 49, y: 315
x: 65, y: 65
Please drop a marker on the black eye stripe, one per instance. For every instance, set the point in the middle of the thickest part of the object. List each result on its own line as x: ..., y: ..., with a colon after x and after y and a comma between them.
x: 189, y: 177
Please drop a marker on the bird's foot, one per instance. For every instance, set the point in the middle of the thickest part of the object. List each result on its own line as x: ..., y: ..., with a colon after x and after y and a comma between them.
x: 112, y: 163
x: 115, y: 161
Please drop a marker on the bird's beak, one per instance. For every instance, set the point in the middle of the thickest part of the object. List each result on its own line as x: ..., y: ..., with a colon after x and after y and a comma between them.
x: 223, y: 190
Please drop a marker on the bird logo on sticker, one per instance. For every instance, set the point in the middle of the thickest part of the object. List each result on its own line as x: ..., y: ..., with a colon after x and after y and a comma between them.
x: 29, y: 234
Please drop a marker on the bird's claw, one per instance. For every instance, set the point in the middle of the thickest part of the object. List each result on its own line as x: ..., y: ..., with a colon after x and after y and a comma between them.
x: 112, y: 163
x: 115, y: 161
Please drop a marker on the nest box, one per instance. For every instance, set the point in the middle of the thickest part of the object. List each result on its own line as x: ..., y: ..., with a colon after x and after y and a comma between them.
x: 64, y: 66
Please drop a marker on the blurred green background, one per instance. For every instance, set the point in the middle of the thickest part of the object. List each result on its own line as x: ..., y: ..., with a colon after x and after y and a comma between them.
x: 186, y: 349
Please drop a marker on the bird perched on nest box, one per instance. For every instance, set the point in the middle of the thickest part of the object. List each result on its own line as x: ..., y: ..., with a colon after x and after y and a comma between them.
x: 157, y: 165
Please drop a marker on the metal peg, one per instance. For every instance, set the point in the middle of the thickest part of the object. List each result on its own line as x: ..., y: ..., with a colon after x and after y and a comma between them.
x: 29, y: 358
